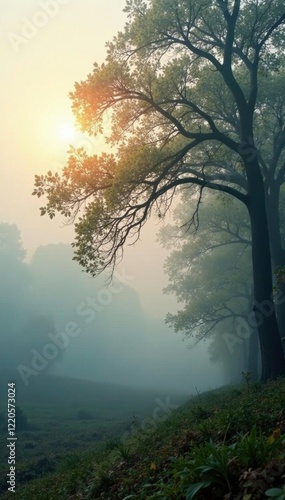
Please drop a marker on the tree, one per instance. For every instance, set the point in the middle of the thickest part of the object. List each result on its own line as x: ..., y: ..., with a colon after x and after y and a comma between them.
x: 270, y: 115
x: 22, y: 325
x: 10, y: 242
x: 14, y: 284
x: 210, y: 274
x: 182, y: 83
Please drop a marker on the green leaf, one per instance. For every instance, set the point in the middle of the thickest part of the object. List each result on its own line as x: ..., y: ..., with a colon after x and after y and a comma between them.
x: 195, y: 488
x: 275, y: 493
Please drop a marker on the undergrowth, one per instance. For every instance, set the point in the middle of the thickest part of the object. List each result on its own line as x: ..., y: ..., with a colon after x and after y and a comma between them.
x: 227, y: 444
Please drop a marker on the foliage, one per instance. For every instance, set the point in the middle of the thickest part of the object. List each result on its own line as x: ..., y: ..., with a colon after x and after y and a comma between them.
x: 71, y: 461
x: 22, y: 321
x: 61, y: 442
x: 255, y: 450
x: 178, y: 103
x: 246, y: 376
x: 182, y: 85
x: 10, y: 241
x: 217, y: 467
x: 277, y: 493
x: 210, y: 274
x: 280, y: 274
x: 177, y: 458
x: 119, y: 448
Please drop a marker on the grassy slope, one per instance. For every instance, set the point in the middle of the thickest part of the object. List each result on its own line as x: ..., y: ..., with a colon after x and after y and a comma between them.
x: 159, y: 463
x: 66, y: 417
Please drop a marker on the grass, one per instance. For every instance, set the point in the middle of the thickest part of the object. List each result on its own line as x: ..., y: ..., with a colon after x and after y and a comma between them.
x: 228, y: 443
x: 67, y: 418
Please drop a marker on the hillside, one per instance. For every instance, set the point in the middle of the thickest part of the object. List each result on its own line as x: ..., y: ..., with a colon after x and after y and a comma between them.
x: 61, y: 418
x: 228, y: 443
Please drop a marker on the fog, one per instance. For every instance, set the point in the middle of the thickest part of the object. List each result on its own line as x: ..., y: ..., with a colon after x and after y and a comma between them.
x: 62, y: 321
x: 126, y: 340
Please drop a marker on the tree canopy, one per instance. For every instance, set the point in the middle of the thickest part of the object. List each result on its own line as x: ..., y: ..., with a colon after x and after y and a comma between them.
x: 209, y: 271
x: 175, y: 90
x: 181, y: 86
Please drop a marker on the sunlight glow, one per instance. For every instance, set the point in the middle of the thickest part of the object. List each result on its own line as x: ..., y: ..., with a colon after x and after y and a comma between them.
x: 67, y: 131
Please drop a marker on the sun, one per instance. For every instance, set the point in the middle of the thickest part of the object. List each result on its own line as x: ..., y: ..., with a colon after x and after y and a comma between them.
x: 67, y: 131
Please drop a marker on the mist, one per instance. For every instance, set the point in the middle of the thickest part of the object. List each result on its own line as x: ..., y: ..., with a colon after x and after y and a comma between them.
x: 63, y: 321
x: 127, y: 341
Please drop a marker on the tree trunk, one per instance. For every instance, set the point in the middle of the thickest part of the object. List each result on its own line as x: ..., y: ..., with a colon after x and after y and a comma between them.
x: 272, y: 358
x: 277, y: 250
x: 253, y: 350
x: 253, y: 355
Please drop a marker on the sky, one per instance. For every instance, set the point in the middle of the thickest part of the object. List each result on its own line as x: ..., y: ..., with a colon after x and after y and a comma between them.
x: 47, y: 45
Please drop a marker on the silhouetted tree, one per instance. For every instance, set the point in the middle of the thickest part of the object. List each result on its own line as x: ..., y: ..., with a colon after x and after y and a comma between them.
x: 182, y: 81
